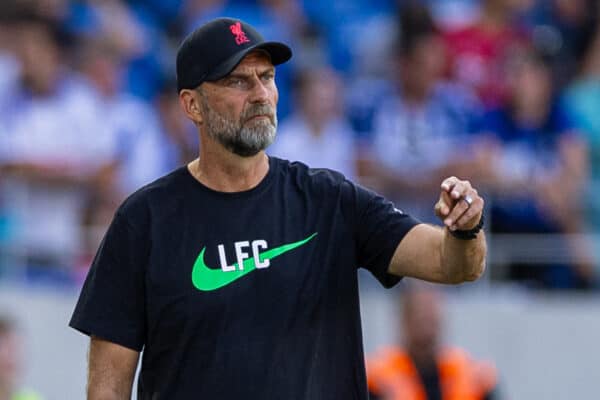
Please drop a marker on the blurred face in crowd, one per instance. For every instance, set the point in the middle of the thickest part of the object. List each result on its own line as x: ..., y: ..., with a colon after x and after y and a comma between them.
x: 39, y: 56
x: 319, y: 95
x: 530, y: 84
x: 239, y: 111
x: 9, y: 359
x: 422, y: 318
x: 103, y: 65
x: 423, y: 64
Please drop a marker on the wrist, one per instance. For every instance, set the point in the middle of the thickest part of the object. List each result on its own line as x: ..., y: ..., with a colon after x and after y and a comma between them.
x: 468, y: 234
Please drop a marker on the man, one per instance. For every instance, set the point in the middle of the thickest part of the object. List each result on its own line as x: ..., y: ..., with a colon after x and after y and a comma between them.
x: 280, y: 318
x: 425, y: 369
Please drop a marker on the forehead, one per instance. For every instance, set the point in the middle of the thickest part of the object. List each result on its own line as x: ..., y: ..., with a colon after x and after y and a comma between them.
x: 257, y: 59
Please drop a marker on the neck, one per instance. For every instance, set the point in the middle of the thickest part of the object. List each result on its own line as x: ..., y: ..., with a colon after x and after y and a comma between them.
x: 414, y: 93
x: 223, y: 171
x: 531, y: 113
x: 316, y: 126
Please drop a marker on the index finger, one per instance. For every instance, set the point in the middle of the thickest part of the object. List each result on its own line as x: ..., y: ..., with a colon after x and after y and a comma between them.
x: 449, y: 183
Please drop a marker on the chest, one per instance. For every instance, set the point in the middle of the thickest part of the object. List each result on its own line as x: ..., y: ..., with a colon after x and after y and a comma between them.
x: 242, y: 264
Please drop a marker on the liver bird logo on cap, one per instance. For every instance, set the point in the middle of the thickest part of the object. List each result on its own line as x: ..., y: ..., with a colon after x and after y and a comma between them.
x: 240, y: 35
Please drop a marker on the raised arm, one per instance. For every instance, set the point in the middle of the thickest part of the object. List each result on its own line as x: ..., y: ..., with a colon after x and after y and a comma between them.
x: 111, y: 371
x: 432, y: 253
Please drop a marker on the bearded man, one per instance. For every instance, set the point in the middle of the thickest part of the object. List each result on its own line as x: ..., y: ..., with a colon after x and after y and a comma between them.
x: 236, y: 274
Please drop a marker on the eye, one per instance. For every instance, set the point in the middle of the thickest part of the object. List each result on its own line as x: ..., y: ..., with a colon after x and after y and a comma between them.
x: 238, y: 83
x: 268, y: 77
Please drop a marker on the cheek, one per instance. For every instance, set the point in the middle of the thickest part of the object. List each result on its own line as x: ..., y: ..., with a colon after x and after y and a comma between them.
x: 229, y: 110
x: 274, y: 93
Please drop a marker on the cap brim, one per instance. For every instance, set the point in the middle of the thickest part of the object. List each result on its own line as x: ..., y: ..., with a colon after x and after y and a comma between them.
x: 278, y: 52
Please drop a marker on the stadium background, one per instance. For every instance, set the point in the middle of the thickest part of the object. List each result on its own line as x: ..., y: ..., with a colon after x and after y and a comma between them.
x: 88, y: 112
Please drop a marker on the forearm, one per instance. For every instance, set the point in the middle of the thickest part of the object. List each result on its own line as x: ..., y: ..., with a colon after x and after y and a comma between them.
x: 434, y: 254
x: 100, y: 393
x: 463, y: 260
x: 99, y: 390
x: 111, y: 371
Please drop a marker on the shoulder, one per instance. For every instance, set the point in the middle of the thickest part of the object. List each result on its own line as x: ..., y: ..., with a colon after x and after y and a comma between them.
x: 456, y: 361
x: 385, y: 364
x: 160, y: 194
x: 496, y: 120
x: 456, y: 95
x: 302, y: 174
x: 391, y: 104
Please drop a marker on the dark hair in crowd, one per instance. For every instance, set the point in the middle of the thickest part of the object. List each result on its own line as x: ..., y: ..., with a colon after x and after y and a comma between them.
x: 415, y: 22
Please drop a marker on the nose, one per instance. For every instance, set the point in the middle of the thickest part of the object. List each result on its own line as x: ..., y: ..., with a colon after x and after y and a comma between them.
x: 260, y: 93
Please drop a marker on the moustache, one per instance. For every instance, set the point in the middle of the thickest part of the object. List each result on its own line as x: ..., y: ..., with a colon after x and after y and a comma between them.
x: 258, y: 110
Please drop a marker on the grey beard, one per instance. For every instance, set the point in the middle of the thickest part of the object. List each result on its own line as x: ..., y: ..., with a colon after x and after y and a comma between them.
x: 244, y: 140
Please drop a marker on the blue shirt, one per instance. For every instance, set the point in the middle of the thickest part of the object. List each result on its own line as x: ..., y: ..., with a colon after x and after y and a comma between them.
x: 530, y: 154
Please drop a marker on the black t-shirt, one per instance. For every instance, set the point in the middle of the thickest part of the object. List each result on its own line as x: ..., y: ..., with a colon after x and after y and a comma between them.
x: 248, y: 295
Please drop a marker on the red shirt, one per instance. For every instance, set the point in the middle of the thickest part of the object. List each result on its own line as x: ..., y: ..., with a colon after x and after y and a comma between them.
x: 478, y: 59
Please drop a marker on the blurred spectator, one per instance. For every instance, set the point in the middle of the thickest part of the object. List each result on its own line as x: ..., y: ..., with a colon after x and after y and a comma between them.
x: 10, y: 364
x: 132, y: 122
x: 50, y: 150
x: 317, y: 133
x: 139, y: 43
x: 562, y: 29
x: 421, y: 131
x: 424, y: 367
x: 479, y: 52
x: 357, y: 33
x: 538, y: 168
x: 583, y: 99
x: 131, y: 126
x: 180, y: 138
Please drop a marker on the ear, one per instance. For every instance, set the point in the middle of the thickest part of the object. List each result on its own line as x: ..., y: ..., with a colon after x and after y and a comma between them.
x: 190, y: 103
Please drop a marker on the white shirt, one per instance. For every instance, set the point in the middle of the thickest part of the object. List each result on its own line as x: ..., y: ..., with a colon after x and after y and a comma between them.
x: 334, y: 148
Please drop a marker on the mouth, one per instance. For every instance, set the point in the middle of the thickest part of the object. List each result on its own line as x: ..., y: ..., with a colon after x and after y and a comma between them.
x: 258, y: 117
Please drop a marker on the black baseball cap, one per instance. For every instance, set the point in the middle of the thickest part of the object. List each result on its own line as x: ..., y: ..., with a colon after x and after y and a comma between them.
x: 214, y: 49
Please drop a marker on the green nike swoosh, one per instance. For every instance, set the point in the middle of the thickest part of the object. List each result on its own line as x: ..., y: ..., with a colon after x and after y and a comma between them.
x: 206, y: 279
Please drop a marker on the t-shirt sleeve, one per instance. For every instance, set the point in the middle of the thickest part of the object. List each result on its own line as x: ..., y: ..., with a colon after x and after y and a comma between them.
x: 380, y: 228
x: 111, y: 304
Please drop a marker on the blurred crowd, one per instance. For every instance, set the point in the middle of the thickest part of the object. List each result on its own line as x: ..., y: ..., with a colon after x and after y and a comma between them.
x: 394, y: 93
